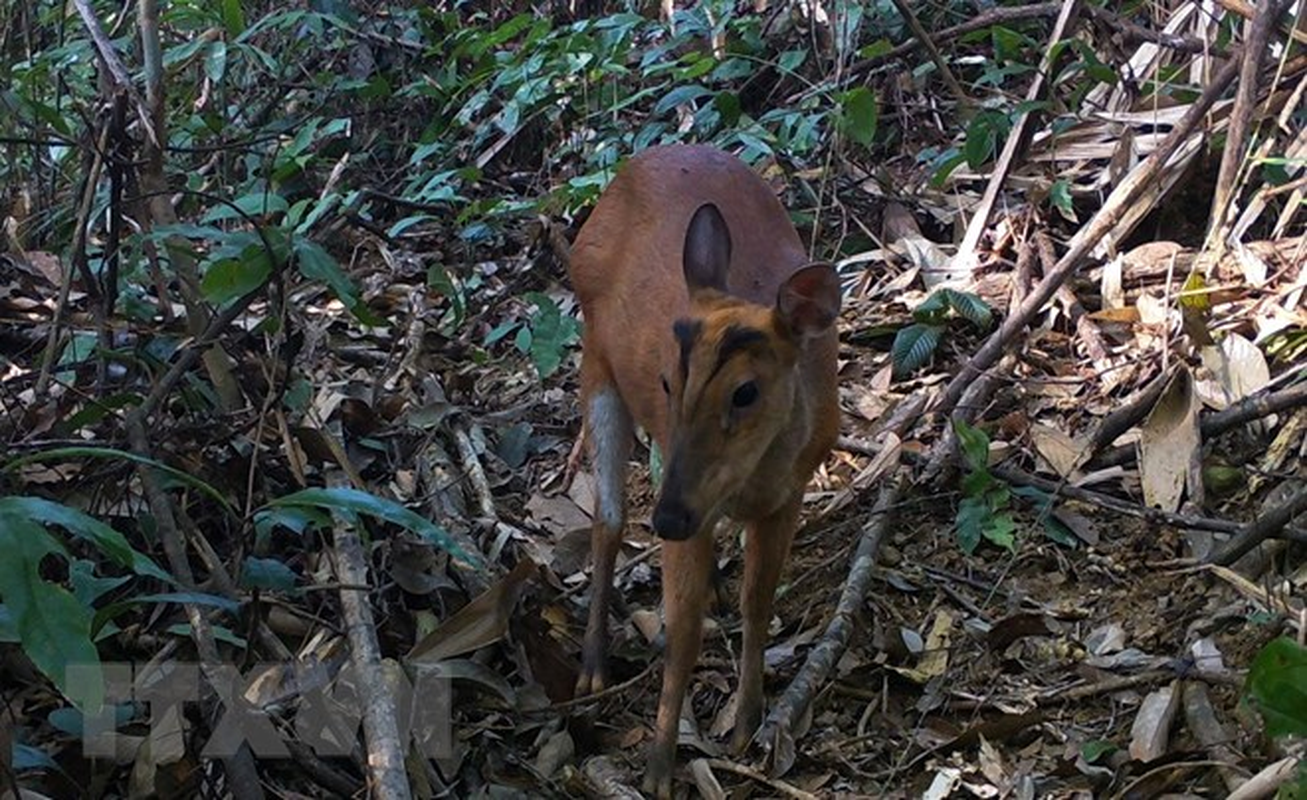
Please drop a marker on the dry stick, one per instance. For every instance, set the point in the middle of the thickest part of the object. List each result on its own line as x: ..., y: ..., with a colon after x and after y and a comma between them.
x: 1128, y: 414
x: 778, y: 786
x: 1021, y: 478
x: 1138, y: 33
x: 1258, y: 531
x: 1267, y: 782
x: 122, y: 79
x: 385, y: 760
x: 242, y: 776
x: 992, y: 17
x: 923, y: 36
x: 1103, y: 222
x: 965, y: 261
x: 1256, y: 406
x: 79, y: 252
x: 822, y: 658
x: 1255, y: 51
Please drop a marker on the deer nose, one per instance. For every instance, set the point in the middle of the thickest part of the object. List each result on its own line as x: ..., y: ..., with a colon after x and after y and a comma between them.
x: 673, y: 520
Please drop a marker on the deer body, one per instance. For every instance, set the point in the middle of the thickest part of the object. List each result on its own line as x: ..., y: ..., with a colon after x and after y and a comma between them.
x: 705, y: 325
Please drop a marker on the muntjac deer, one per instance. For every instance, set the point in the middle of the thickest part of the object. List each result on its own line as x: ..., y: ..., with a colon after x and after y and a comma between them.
x: 706, y: 325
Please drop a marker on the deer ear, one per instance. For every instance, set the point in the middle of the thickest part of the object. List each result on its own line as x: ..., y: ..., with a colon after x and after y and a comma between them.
x: 707, y: 251
x: 809, y: 301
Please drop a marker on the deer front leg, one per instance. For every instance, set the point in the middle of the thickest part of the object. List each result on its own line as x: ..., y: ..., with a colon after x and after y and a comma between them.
x: 766, y: 547
x: 686, y: 586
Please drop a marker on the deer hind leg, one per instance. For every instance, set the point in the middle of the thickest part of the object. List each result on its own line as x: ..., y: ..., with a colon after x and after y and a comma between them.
x: 610, y: 433
x: 766, y: 547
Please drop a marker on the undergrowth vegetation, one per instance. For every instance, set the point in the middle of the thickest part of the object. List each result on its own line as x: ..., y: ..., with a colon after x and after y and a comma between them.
x: 207, y: 200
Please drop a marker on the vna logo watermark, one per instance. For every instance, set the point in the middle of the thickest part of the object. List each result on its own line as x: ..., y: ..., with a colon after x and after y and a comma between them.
x: 262, y: 707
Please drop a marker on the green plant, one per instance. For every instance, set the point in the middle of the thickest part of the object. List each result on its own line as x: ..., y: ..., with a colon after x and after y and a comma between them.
x: 1277, y: 688
x: 983, y: 512
x: 55, y: 624
x: 545, y: 337
x: 915, y: 344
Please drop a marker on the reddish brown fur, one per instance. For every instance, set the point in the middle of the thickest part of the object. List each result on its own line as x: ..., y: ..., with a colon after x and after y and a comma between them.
x: 749, y: 463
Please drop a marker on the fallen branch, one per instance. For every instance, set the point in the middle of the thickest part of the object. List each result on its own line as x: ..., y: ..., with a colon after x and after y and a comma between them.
x: 1234, y: 156
x: 1107, y: 218
x: 965, y: 260
x: 1258, y: 531
x: 385, y: 749
x: 1253, y: 407
x: 776, y: 735
x: 779, y: 786
x: 1021, y: 478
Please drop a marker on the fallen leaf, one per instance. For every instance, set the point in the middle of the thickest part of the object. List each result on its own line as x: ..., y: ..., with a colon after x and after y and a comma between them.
x: 1238, y: 368
x: 1151, y: 732
x: 1168, y: 441
x: 481, y: 622
x: 1060, y: 450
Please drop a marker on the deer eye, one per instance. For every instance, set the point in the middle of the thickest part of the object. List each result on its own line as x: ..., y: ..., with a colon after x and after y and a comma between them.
x: 745, y: 395
x: 667, y: 390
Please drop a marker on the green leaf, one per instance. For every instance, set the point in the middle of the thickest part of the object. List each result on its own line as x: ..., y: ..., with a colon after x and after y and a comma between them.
x: 728, y: 105
x: 1095, y: 749
x: 1001, y: 530
x: 353, y: 501
x: 551, y: 334
x: 972, y: 514
x: 1058, y: 531
x: 233, y: 17
x: 790, y: 60
x: 1277, y: 684
x: 974, y: 443
x: 931, y: 310
x: 89, y: 587
x: 316, y: 263
x: 1060, y: 195
x: 680, y: 95
x: 267, y: 573
x: 861, y: 115
x: 55, y: 628
x: 105, y: 539
x: 255, y: 204
x: 232, y: 278
x: 215, y: 61
x: 977, y: 483
x: 8, y: 627
x: 63, y: 453
x: 970, y: 307
x: 981, y: 141
x: 913, y: 346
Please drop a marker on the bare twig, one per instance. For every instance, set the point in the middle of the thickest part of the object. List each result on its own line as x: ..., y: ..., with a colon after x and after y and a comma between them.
x: 941, y: 64
x: 778, y: 786
x: 1255, y: 406
x: 1017, y: 139
x: 387, y: 776
x: 1268, y: 781
x: 1104, y: 222
x: 1245, y: 101
x: 1261, y: 529
x: 823, y: 656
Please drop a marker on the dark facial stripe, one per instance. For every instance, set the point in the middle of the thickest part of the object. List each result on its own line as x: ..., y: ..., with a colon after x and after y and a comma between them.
x: 734, y: 339
x: 687, y: 333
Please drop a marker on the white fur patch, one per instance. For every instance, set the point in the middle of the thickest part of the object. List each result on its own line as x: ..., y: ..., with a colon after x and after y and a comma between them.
x: 610, y: 446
